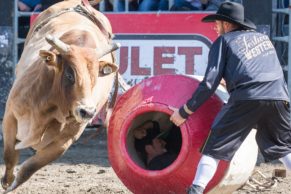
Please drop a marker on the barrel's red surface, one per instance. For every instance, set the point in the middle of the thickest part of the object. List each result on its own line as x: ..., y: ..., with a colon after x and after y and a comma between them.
x: 155, y: 94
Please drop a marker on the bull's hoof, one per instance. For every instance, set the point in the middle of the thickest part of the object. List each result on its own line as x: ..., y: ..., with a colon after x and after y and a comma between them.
x: 12, y: 187
x: 6, y: 183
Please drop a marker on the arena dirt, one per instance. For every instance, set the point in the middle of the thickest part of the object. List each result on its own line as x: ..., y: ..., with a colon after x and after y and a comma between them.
x: 85, y: 169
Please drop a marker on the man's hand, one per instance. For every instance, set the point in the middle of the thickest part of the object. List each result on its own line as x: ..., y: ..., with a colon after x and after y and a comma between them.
x: 176, y: 117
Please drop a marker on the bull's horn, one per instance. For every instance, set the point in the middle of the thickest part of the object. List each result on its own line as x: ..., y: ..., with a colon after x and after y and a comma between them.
x: 57, y: 44
x: 112, y: 47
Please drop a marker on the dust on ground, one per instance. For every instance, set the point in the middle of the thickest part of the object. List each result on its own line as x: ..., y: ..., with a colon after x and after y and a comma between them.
x: 85, y: 169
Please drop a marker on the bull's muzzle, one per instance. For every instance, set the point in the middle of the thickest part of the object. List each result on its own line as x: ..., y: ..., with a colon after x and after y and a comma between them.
x: 86, y: 113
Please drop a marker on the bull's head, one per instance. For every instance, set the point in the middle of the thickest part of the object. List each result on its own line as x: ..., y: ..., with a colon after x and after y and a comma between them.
x: 77, y: 70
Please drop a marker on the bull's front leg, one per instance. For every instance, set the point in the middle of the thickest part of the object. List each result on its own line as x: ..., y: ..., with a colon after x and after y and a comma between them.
x: 44, y: 156
x: 11, y: 156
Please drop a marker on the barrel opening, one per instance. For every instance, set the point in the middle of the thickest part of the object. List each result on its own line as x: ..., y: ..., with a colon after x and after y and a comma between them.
x: 153, y: 142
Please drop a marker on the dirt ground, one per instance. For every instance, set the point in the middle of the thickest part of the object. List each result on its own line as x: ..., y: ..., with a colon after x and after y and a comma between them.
x: 85, y: 169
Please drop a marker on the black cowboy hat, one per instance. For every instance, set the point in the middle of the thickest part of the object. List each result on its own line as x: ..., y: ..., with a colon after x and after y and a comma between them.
x: 231, y: 12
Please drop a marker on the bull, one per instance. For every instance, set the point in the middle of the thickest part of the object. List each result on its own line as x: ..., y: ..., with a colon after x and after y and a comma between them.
x: 63, y: 78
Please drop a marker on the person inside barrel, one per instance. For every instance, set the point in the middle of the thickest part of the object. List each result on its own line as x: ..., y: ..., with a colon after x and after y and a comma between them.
x: 249, y: 64
x: 152, y: 146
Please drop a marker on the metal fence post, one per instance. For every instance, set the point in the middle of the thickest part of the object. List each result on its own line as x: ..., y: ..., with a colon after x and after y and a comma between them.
x: 286, y: 39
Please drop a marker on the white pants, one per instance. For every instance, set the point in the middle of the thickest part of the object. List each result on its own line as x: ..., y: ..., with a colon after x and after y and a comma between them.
x: 207, y: 167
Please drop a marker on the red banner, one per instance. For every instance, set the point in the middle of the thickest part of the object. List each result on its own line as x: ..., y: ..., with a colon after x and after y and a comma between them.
x: 162, y: 23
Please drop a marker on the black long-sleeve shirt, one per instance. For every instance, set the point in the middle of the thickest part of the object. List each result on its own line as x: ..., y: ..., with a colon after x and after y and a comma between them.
x: 248, y: 63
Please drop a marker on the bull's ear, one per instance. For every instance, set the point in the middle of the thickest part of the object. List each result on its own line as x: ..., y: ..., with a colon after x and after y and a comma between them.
x: 49, y: 57
x: 106, y: 68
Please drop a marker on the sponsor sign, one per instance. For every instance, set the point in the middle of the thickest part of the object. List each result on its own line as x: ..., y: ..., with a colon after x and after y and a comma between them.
x: 142, y: 56
x: 157, y: 44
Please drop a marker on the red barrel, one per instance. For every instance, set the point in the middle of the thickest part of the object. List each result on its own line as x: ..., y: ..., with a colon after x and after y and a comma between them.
x: 150, y: 100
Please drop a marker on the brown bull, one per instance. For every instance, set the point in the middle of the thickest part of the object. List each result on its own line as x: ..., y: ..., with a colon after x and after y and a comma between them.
x: 63, y: 79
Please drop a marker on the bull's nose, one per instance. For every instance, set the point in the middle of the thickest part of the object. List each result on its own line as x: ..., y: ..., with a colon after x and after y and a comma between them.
x: 87, y: 113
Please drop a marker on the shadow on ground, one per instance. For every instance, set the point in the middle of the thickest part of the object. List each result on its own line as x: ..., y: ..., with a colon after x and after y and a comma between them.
x: 90, y: 148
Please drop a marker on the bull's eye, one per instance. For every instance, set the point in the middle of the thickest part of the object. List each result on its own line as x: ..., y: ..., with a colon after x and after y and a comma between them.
x: 69, y: 75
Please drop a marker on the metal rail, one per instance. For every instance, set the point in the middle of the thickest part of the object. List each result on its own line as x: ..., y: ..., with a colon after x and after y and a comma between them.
x: 286, y: 39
